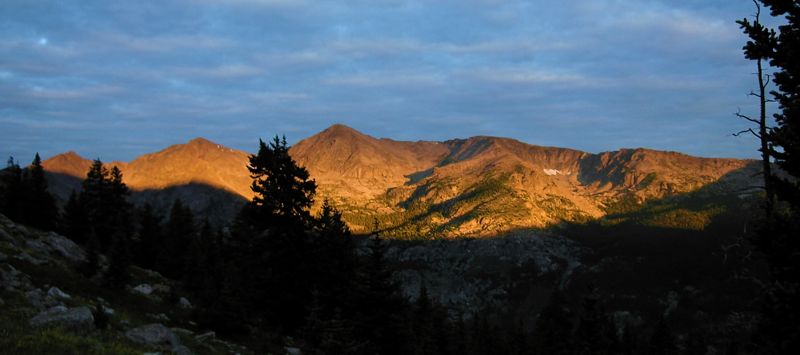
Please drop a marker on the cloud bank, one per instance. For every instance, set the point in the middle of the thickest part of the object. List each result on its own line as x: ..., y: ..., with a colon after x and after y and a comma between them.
x: 117, y: 79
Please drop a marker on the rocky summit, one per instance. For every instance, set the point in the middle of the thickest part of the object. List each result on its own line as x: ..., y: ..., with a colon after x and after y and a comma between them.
x: 461, y: 187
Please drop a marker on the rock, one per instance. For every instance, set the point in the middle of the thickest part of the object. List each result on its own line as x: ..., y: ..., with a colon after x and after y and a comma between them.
x: 181, y: 350
x: 107, y: 310
x: 5, y: 236
x: 64, y: 247
x: 160, y: 316
x: 183, y: 331
x: 10, y: 279
x: 55, y: 292
x: 144, y: 289
x: 206, y: 336
x: 3, y: 257
x: 293, y: 351
x: 36, y: 298
x: 27, y: 257
x: 153, y: 334
x: 162, y: 289
x: 184, y: 303
x: 37, y: 246
x: 2, y: 303
x: 79, y: 318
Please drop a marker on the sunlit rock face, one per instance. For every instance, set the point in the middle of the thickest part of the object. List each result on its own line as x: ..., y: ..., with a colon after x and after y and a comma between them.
x: 477, y: 186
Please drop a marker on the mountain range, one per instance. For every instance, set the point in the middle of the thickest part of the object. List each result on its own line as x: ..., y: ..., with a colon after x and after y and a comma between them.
x: 460, y: 187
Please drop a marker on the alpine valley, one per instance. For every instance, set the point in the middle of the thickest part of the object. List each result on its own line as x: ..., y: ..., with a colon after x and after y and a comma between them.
x: 483, y: 226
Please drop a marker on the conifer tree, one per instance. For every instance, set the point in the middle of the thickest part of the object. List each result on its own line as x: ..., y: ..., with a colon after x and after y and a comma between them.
x: 423, y: 324
x: 150, y: 237
x: 591, y: 335
x: 200, y: 263
x: 75, y: 222
x: 554, y: 326
x: 777, y: 238
x: 662, y: 341
x: 383, y: 313
x: 95, y: 200
x: 179, y: 233
x: 283, y: 191
x: 12, y: 194
x: 119, y: 261
x: 274, y: 225
x: 334, y: 260
x: 40, y: 208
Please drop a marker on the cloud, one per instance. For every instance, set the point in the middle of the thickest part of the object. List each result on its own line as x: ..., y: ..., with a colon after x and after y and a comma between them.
x: 162, y: 43
x: 588, y: 74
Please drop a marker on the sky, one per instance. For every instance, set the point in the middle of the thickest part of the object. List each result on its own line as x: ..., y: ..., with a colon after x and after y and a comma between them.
x: 117, y: 79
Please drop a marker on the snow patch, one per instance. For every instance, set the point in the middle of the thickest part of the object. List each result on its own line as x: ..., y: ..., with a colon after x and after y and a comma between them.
x: 553, y: 172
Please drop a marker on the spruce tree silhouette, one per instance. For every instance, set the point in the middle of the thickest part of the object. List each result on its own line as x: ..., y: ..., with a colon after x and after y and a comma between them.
x: 179, y: 233
x: 283, y: 191
x: 150, y: 237
x: 13, y: 191
x: 39, y: 205
x: 777, y: 237
x: 75, y: 221
x: 274, y: 223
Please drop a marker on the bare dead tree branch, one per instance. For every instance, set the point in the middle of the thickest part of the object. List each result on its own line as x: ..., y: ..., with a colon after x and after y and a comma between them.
x: 743, y: 116
x: 745, y: 131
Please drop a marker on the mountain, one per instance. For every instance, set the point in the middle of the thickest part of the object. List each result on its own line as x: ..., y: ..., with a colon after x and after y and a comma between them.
x: 486, y: 185
x: 474, y: 186
x: 212, y: 179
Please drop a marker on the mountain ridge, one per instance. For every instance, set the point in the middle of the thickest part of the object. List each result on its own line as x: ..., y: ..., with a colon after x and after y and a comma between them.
x: 471, y: 186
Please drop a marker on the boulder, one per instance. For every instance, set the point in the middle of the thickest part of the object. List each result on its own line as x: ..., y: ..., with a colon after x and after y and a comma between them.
x: 64, y: 247
x: 27, y: 257
x: 144, y: 289
x: 39, y: 300
x: 184, y: 303
x: 13, y: 279
x: 107, y: 310
x: 5, y: 236
x: 181, y: 350
x: 154, y: 334
x: 78, y: 318
x: 206, y: 336
x: 37, y: 246
x: 56, y: 292
x: 160, y: 316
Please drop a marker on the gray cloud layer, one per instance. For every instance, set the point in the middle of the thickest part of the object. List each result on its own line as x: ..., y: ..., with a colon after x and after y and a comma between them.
x: 114, y: 79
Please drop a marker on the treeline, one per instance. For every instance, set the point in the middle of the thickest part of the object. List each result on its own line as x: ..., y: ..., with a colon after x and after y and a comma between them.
x: 24, y: 196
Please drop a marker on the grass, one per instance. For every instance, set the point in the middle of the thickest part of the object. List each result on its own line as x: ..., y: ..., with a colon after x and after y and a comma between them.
x: 17, y: 337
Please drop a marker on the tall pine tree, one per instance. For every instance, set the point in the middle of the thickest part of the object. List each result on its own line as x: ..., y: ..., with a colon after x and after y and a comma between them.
x: 40, y: 207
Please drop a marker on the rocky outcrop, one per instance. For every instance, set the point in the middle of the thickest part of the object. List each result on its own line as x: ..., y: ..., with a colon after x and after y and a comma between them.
x: 78, y: 318
x: 469, y: 275
x: 157, y: 335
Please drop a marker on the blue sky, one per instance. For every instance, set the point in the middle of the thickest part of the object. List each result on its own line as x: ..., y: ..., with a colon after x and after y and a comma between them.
x: 115, y: 79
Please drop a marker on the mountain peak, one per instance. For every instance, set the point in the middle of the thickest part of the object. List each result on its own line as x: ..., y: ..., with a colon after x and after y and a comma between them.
x: 339, y: 129
x: 70, y: 155
x: 200, y: 141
